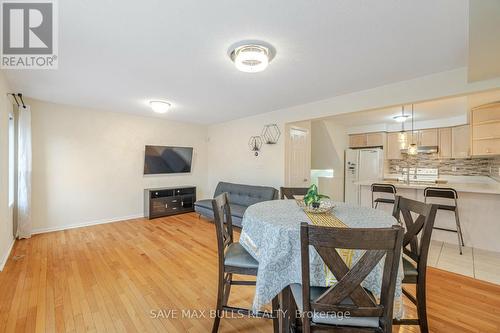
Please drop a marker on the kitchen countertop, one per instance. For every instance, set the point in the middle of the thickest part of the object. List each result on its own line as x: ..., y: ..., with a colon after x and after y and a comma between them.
x: 490, y: 187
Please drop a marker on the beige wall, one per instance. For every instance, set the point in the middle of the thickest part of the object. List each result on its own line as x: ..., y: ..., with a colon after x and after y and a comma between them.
x: 6, y: 238
x: 88, y: 164
x: 484, y: 41
x: 329, y: 142
x: 229, y: 157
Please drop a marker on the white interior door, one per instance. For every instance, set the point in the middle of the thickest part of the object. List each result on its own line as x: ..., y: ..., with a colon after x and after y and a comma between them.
x: 298, y: 155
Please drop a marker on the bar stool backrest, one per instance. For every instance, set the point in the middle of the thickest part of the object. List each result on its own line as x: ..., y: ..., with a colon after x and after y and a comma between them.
x: 384, y: 188
x: 438, y: 192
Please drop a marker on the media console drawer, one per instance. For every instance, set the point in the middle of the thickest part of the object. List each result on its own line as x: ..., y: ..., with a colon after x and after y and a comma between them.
x: 168, y: 201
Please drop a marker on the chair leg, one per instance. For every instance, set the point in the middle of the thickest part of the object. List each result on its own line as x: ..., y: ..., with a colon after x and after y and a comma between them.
x: 276, y: 314
x: 459, y: 232
x: 227, y: 288
x: 221, y: 298
x: 422, y: 307
x: 376, y: 205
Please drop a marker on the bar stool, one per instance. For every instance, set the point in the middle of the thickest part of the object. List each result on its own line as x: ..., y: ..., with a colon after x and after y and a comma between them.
x: 447, y: 193
x: 383, y: 188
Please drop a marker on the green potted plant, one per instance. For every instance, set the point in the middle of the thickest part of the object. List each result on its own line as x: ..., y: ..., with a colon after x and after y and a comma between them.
x: 313, y: 198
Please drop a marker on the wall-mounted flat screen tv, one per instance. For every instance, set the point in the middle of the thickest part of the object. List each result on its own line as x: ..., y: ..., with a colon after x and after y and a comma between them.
x: 163, y: 159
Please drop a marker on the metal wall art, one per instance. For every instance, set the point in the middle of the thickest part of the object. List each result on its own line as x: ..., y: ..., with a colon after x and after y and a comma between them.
x: 255, y: 143
x: 271, y: 134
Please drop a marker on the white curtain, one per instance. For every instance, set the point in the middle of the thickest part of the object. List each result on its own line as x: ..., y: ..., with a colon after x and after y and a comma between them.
x: 24, y: 173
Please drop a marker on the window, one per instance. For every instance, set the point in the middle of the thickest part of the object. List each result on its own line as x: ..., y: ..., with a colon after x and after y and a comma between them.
x: 12, y: 163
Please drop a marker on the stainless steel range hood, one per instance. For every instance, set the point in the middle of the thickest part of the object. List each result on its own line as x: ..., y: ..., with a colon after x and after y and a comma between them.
x: 423, y: 150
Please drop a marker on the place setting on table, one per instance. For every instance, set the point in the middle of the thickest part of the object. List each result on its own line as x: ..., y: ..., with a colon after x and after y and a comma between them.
x: 271, y: 234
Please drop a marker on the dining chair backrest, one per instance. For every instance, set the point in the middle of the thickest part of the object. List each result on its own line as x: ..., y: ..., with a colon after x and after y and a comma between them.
x: 417, y: 238
x: 378, y: 243
x: 289, y: 192
x: 223, y: 223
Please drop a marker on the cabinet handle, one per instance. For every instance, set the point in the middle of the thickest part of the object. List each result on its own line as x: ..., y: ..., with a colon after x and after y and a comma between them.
x: 174, y: 200
x: 166, y: 205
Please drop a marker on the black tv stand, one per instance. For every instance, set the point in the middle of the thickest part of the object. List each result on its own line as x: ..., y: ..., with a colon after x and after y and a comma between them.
x: 166, y: 201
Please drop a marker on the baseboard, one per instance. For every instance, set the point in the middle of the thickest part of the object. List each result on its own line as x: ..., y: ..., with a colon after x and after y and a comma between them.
x: 85, y: 224
x: 6, y: 256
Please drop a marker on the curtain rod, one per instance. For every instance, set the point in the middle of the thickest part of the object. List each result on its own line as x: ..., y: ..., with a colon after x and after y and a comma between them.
x: 20, y: 98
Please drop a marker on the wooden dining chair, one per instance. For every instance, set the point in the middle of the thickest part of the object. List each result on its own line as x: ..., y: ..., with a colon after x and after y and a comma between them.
x: 233, y: 259
x: 289, y: 192
x: 347, y: 306
x: 416, y: 243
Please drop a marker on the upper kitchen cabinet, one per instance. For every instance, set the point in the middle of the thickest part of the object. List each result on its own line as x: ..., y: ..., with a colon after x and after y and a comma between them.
x: 460, y: 141
x: 428, y: 137
x: 366, y: 140
x: 357, y: 140
x: 486, y: 130
x: 445, y: 142
x: 393, y: 147
x: 375, y: 139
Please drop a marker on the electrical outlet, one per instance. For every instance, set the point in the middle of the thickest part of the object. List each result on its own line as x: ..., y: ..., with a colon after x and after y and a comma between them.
x: 454, y: 168
x: 397, y: 167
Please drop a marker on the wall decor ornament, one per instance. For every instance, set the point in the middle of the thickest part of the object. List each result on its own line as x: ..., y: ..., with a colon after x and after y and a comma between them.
x: 271, y: 134
x: 255, y: 143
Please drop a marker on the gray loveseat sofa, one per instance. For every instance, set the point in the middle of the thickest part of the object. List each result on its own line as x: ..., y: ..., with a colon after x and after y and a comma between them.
x: 240, y: 197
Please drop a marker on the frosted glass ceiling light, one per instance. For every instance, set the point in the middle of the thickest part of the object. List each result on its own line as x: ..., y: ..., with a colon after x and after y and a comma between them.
x: 253, y: 57
x: 401, y: 118
x: 159, y: 106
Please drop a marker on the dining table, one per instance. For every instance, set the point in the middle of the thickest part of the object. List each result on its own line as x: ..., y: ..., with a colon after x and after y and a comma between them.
x: 271, y: 234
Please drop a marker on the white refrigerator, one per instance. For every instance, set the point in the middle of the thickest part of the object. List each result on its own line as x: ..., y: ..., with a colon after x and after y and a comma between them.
x: 361, y: 165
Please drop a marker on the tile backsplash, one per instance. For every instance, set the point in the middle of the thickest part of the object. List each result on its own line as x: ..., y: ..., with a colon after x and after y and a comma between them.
x: 449, y: 166
x: 495, y: 168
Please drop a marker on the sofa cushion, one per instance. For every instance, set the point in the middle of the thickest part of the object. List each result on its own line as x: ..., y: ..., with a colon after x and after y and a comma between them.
x: 246, y: 195
x: 205, y: 203
x: 237, y: 210
x: 204, y: 208
x: 323, y: 318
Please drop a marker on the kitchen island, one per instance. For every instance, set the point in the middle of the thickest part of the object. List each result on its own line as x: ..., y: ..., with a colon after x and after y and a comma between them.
x: 478, y: 207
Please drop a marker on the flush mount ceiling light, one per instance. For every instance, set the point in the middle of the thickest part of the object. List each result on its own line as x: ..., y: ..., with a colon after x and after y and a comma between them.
x: 401, y: 118
x: 159, y: 106
x: 251, y: 56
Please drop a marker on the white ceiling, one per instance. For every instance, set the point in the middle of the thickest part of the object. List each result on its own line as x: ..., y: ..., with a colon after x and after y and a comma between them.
x: 426, y: 111
x: 115, y: 55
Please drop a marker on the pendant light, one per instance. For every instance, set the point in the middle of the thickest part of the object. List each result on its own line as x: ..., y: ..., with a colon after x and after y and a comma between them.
x: 402, y: 134
x: 412, y: 148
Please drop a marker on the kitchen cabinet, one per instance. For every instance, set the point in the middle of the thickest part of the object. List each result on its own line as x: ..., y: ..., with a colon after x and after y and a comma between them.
x: 366, y: 140
x: 357, y: 140
x: 428, y: 137
x: 486, y: 130
x: 393, y: 147
x: 375, y: 139
x: 445, y: 142
x: 460, y: 141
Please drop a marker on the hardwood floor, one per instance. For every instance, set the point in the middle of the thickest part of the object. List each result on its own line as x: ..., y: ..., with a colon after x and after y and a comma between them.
x: 126, y: 276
